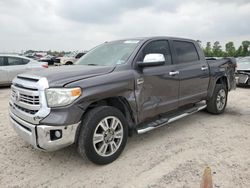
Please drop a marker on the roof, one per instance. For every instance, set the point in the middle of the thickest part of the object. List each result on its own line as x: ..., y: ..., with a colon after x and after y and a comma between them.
x: 157, y: 37
x: 14, y: 55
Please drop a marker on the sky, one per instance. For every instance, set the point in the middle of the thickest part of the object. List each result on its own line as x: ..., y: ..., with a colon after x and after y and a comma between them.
x: 80, y: 25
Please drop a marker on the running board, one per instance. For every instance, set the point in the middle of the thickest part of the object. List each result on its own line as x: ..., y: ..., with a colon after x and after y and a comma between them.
x: 164, y: 121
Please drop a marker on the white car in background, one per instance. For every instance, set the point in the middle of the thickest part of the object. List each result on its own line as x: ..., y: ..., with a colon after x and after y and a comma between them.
x: 12, y: 65
x: 70, y: 59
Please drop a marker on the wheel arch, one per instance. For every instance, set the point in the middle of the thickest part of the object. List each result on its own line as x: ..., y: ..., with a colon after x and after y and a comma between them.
x: 69, y: 63
x: 121, y: 104
x: 222, y: 80
x: 219, y: 80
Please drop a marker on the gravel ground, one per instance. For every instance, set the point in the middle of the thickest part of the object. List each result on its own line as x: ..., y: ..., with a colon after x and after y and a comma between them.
x: 172, y: 156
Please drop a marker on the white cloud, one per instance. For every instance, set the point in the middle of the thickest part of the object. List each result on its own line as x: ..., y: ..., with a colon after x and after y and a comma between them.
x: 80, y: 25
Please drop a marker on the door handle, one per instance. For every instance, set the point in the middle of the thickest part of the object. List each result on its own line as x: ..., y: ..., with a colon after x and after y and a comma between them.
x: 173, y: 73
x: 204, y: 68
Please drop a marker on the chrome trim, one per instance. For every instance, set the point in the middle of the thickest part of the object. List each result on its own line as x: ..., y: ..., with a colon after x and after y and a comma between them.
x: 140, y: 81
x: 68, y: 136
x: 204, y: 68
x: 173, y: 73
x: 141, y: 131
x: 39, y: 135
x: 25, y: 91
x: 21, y: 127
x: 36, y: 86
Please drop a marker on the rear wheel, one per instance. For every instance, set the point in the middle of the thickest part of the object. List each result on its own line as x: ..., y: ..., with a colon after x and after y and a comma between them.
x: 103, y: 135
x: 217, y: 103
x: 69, y: 63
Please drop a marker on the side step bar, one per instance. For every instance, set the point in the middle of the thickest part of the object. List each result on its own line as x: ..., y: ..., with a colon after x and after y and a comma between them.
x: 164, y: 121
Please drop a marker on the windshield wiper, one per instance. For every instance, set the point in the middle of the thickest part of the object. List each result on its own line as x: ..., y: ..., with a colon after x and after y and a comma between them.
x: 92, y: 64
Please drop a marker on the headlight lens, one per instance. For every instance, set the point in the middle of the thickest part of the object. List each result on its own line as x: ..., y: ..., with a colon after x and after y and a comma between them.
x: 62, y: 96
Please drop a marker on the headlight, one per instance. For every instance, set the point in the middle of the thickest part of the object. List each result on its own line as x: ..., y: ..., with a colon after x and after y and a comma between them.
x: 61, y: 96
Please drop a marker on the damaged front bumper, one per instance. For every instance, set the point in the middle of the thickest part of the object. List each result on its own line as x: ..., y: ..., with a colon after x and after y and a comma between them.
x: 44, y: 137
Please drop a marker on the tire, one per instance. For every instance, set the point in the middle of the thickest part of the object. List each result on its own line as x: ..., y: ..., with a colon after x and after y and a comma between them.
x: 109, y: 143
x: 68, y: 63
x: 217, y: 103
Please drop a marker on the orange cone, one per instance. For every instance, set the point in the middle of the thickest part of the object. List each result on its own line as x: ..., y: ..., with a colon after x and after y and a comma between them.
x: 207, y: 179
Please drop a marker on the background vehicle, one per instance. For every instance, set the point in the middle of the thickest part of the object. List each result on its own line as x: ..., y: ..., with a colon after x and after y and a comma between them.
x: 12, y: 65
x: 116, y: 89
x: 70, y: 59
x: 35, y: 55
x: 48, y: 58
x: 243, y: 72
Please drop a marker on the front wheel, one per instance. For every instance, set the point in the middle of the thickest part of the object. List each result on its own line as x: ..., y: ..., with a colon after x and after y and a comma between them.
x: 103, y: 135
x: 217, y: 103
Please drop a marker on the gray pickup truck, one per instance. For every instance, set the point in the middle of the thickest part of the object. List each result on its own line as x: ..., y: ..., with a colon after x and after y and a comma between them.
x: 117, y: 89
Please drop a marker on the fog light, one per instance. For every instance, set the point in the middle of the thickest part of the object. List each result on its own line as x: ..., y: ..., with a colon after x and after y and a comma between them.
x: 55, y: 134
x: 58, y: 134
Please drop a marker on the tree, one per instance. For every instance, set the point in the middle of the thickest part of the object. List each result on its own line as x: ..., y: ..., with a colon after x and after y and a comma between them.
x: 208, y: 50
x: 245, y: 48
x: 217, y: 51
x: 230, y: 49
x: 239, y: 52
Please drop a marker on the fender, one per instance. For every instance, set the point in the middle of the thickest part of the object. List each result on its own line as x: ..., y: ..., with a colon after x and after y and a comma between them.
x: 218, y: 79
x: 97, y: 89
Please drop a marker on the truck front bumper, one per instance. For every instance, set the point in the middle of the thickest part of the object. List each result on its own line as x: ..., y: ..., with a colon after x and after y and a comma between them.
x: 44, y: 137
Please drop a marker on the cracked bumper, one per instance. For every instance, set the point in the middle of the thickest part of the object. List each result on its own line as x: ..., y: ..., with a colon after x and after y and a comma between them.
x: 40, y: 136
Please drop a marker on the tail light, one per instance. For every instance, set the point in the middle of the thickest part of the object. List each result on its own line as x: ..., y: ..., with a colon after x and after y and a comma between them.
x: 45, y: 66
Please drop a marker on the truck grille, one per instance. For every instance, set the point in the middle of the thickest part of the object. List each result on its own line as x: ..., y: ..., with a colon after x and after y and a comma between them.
x: 25, y: 100
x: 34, y: 100
x: 29, y: 99
x: 26, y: 110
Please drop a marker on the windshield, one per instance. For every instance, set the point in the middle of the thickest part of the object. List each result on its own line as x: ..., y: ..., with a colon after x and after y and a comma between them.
x: 109, y: 54
x: 244, y: 64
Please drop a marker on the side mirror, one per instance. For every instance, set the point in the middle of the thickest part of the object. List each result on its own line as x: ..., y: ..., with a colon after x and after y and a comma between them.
x: 152, y: 60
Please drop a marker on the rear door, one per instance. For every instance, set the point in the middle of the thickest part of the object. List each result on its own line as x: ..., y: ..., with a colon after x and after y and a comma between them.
x: 193, y: 72
x: 16, y: 66
x: 156, y: 89
x: 3, y: 71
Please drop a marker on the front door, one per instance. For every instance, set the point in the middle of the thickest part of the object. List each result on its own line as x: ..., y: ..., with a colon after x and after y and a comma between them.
x: 156, y: 90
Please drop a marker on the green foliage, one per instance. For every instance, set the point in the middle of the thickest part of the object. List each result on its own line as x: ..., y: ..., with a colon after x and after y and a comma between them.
x: 245, y: 47
x: 217, y: 50
x: 239, y: 52
x: 208, y: 50
x: 230, y: 50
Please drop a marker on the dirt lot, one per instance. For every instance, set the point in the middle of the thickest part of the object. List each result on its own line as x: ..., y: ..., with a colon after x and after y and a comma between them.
x: 172, y: 156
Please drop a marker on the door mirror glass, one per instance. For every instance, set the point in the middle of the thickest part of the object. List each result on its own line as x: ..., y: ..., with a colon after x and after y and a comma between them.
x: 154, y: 59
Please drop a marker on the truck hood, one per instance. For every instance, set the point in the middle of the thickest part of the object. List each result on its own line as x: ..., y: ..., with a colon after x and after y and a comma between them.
x: 60, y: 76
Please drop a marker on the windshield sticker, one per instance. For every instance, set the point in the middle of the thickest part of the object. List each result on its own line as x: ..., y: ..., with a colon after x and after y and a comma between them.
x: 120, y: 62
x: 131, y: 41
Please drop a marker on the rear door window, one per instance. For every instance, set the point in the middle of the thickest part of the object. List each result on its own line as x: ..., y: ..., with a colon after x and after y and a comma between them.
x: 17, y: 61
x: 185, y: 51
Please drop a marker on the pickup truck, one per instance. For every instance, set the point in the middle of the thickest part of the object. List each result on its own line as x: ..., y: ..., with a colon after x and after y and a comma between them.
x: 117, y: 89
